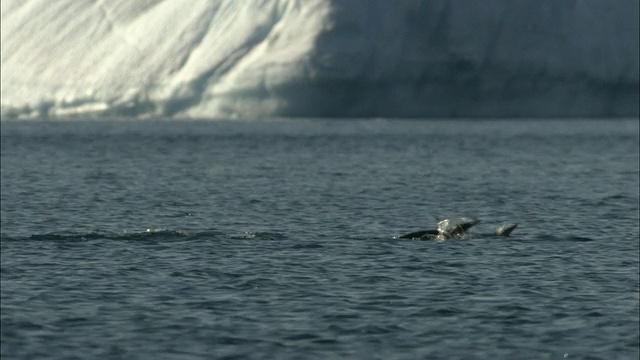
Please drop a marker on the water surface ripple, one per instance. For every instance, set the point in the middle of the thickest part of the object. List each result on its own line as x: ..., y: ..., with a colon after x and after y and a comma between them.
x: 278, y: 239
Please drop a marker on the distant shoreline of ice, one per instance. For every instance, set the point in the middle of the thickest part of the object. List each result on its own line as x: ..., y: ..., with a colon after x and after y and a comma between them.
x: 315, y: 58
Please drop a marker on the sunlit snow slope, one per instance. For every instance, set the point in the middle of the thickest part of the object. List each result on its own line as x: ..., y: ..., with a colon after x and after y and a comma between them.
x: 319, y: 58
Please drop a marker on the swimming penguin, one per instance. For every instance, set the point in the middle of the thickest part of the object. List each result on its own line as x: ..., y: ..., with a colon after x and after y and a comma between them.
x: 454, y: 229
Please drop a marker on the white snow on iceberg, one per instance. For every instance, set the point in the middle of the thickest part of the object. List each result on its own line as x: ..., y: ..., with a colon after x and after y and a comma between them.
x: 319, y: 58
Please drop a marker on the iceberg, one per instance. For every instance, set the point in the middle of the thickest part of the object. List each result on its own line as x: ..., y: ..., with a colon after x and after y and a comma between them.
x: 319, y: 58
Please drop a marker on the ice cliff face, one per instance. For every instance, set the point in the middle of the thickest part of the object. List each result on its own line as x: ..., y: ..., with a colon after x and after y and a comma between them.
x: 316, y: 58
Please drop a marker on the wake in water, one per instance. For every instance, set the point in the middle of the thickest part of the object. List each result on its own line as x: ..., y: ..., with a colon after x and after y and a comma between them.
x: 169, y: 235
x: 150, y: 234
x: 453, y: 228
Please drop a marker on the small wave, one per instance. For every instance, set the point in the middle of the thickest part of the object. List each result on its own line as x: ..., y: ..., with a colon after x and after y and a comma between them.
x: 260, y: 235
x: 69, y: 236
x: 579, y: 238
x: 305, y: 246
x: 554, y: 238
x: 151, y: 234
x: 148, y: 234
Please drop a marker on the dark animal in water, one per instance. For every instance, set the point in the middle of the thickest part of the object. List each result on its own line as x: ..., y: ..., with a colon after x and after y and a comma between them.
x: 454, y: 229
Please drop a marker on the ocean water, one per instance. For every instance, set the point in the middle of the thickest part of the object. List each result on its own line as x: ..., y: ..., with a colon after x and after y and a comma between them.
x: 277, y: 239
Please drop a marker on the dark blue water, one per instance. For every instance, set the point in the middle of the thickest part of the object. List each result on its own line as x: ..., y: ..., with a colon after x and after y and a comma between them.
x: 275, y: 239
